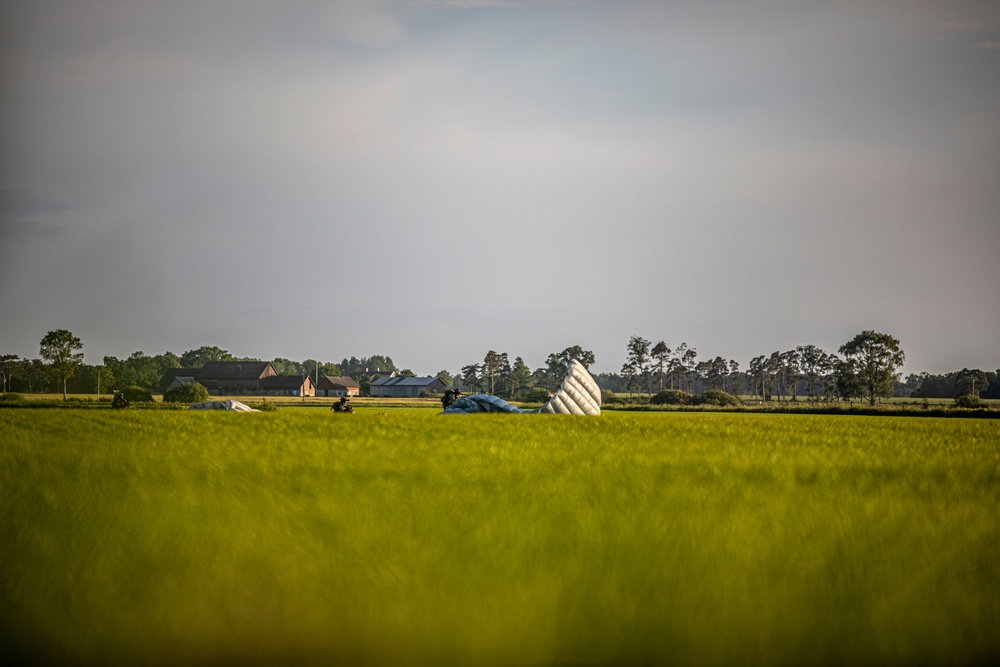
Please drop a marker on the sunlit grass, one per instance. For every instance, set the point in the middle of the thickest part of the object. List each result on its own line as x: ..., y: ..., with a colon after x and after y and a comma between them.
x: 408, y: 537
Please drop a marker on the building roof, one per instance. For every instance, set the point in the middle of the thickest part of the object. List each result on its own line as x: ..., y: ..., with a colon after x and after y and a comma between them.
x: 234, y: 370
x: 284, y: 382
x: 404, y: 382
x: 338, y: 381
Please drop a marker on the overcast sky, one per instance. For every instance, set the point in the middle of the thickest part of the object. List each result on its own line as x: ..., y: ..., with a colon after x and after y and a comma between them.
x: 433, y: 180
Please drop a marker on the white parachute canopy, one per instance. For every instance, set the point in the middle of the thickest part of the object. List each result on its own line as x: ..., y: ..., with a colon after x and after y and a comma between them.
x: 235, y: 406
x: 578, y: 395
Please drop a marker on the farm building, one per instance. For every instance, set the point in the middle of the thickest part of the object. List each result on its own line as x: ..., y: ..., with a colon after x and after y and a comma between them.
x: 240, y: 378
x: 287, y: 385
x: 337, y: 386
x: 400, y: 387
x: 223, y: 377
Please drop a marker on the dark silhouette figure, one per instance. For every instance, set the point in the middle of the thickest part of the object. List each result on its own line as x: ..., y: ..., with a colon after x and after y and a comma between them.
x: 342, y: 406
x: 450, y: 397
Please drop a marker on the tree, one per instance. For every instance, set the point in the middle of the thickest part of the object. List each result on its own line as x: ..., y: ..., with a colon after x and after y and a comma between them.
x: 735, y: 378
x: 811, y: 362
x: 520, y: 374
x: 60, y: 349
x: 470, y: 376
x: 790, y: 371
x: 201, y: 356
x: 628, y: 373
x: 9, y: 363
x: 638, y: 360
x: 874, y: 358
x: 846, y: 381
x: 585, y: 357
x: 491, y: 367
x: 445, y: 377
x: 660, y: 352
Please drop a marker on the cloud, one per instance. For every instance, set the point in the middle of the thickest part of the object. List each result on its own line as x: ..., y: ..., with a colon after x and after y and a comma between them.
x: 992, y: 46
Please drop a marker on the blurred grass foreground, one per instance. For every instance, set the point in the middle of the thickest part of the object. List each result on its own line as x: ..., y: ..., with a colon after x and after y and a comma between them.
x: 154, y: 537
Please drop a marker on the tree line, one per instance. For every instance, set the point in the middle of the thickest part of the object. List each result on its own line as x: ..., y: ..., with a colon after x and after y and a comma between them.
x: 61, y: 367
x: 865, y: 367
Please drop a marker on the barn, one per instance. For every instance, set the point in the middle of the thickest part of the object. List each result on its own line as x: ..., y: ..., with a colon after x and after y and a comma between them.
x: 287, y: 385
x: 337, y: 386
x: 222, y: 377
x: 400, y: 387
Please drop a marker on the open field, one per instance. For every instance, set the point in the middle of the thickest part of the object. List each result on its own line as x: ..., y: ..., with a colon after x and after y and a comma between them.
x: 688, y: 538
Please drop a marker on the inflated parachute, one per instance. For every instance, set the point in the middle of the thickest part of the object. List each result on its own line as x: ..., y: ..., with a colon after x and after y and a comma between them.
x: 578, y: 395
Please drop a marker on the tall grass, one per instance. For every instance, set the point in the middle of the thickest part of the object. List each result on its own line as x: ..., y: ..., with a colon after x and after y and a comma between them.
x: 300, y: 536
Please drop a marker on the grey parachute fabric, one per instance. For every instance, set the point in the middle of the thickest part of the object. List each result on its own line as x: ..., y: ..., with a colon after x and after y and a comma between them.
x: 578, y: 395
x: 235, y: 406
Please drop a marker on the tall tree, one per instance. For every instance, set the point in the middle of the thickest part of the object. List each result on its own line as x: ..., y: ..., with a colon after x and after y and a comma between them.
x: 520, y: 374
x: 628, y: 374
x: 660, y: 353
x: 61, y: 349
x: 490, y: 369
x: 735, y: 378
x: 811, y: 362
x: 9, y: 363
x: 470, y: 376
x: 639, y: 361
x: 790, y: 372
x: 874, y: 358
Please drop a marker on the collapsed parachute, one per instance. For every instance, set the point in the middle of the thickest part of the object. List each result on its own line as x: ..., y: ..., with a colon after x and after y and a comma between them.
x: 578, y: 395
x: 235, y: 406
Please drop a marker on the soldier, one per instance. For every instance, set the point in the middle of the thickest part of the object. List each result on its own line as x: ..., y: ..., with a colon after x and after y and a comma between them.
x: 450, y: 397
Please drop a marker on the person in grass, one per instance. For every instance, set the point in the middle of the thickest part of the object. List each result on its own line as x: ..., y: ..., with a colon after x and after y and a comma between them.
x: 342, y: 406
x: 450, y: 397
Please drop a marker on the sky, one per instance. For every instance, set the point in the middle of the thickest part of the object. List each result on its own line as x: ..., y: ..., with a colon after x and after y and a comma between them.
x: 434, y: 180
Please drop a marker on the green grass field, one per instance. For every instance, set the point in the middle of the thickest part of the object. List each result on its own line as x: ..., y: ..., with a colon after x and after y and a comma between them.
x: 409, y: 538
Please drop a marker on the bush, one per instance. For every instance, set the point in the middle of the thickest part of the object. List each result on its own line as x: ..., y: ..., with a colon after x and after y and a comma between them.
x: 535, y: 395
x: 188, y: 393
x: 10, y: 398
x: 969, y: 401
x: 264, y: 406
x: 608, y: 397
x: 715, y: 397
x: 671, y: 397
x: 136, y: 394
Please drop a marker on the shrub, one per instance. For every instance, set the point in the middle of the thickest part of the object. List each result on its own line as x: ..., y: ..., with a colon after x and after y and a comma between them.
x: 135, y: 394
x: 188, y: 393
x: 10, y: 398
x: 715, y: 397
x: 969, y: 401
x: 535, y: 395
x: 671, y: 397
x: 608, y: 397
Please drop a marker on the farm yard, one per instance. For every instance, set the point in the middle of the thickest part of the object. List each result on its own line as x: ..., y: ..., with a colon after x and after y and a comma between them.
x: 399, y: 536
